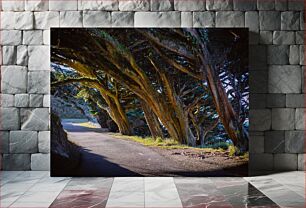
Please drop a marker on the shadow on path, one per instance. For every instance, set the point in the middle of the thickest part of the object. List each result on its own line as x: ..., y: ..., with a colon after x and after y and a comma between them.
x: 94, y: 165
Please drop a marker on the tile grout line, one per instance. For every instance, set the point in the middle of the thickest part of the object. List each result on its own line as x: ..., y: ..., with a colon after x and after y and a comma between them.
x: 144, y: 192
x: 109, y: 191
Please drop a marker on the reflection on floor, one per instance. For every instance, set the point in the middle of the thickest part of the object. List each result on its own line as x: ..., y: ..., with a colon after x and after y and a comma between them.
x: 37, y: 189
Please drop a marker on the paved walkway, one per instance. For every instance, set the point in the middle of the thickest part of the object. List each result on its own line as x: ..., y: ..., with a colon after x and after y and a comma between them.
x: 104, y: 155
x: 38, y: 190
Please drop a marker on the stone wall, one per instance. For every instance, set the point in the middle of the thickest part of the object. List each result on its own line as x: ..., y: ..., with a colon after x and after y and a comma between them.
x: 276, y: 67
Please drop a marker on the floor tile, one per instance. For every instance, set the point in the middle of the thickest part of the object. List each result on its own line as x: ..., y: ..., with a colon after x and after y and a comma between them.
x: 277, y: 192
x: 7, y: 176
x: 126, y: 200
x: 80, y: 198
x: 163, y: 198
x: 156, y: 184
x: 128, y: 185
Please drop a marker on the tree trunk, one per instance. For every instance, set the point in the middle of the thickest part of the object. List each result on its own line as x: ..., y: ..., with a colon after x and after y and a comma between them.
x: 225, y: 111
x: 152, y: 121
x: 120, y: 118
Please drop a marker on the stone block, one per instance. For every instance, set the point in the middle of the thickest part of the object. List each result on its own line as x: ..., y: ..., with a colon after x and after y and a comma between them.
x: 295, y: 100
x: 222, y: 5
x: 39, y: 82
x: 257, y: 101
x: 134, y: 5
x: 16, y: 162
x: 39, y: 58
x: 256, y: 133
x: 7, y: 22
x: 33, y: 37
x: 302, y: 20
x: 22, y: 100
x: 229, y: 19
x: 203, y: 19
x: 195, y: 5
x: 46, y: 101
x: 122, y: 19
x: 281, y: 5
x: 299, y: 37
x: 24, y: 20
x: 186, y: 19
x: 260, y: 119
x: 276, y: 100
x: 283, y: 118
x: 257, y: 56
x: 10, y: 119
x: 13, y: 79
x: 294, y: 54
x: 36, y: 5
x: 9, y: 55
x: 22, y: 55
x: 301, y: 162
x: 278, y: 54
x: 290, y: 21
x: 44, y: 141
x: 36, y: 100
x: 6, y: 100
x: 245, y: 5
x: 285, y: 162
x: 269, y: 20
x: 259, y: 162
x: 157, y: 19
x: 36, y: 119
x: 252, y: 21
x: 13, y: 5
x: 275, y: 142
x: 294, y: 142
x: 46, y: 37
x: 45, y: 20
x: 258, y: 82
x: 11, y: 37
x: 283, y: 37
x: 97, y: 19
x: 303, y: 79
x: 162, y: 5
x: 71, y: 19
x: 302, y: 55
x: 256, y: 144
x: 97, y: 5
x: 296, y: 5
x: 63, y: 5
x: 23, y: 142
x: 300, y: 119
x: 285, y: 79
x: 265, y: 5
x: 40, y: 162
x: 4, y: 141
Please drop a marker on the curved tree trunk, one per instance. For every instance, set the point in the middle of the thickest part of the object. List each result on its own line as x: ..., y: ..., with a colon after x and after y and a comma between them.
x: 116, y: 112
x: 152, y: 121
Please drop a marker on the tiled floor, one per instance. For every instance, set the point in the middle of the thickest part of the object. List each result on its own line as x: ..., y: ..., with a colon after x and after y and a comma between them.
x: 36, y: 189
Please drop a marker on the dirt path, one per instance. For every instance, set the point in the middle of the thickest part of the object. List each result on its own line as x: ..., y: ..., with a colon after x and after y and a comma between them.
x: 103, y: 155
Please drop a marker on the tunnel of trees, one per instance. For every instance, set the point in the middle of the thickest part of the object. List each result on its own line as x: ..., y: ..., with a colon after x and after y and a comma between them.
x: 190, y: 85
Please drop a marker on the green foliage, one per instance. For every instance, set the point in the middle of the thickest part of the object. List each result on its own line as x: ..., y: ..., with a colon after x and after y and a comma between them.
x: 235, y: 151
x: 149, y: 141
x: 219, y: 145
x: 231, y: 150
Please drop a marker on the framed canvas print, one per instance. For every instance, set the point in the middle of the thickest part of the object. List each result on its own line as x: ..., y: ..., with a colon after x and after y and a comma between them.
x: 149, y: 102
